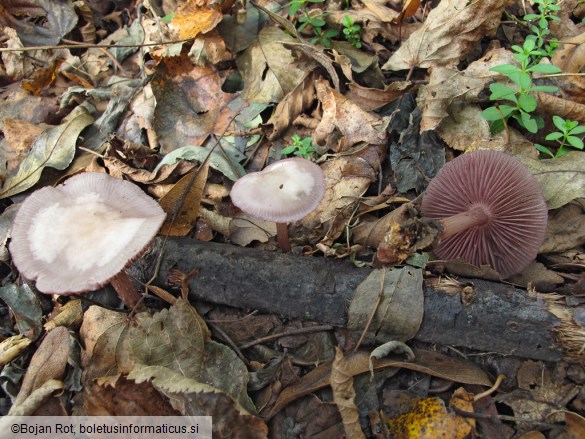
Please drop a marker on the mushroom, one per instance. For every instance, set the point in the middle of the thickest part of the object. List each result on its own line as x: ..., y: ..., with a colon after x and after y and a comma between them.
x: 491, y: 209
x: 283, y: 192
x: 78, y: 236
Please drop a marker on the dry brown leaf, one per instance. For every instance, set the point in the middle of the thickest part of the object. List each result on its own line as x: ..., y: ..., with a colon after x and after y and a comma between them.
x: 408, y: 10
x: 344, y: 394
x: 37, y: 399
x: 48, y: 363
x: 564, y: 108
x: 369, y: 99
x: 346, y: 179
x: 102, y: 333
x: 570, y: 56
x: 449, y: 33
x: 566, y: 228
x: 292, y: 105
x: 575, y: 425
x: 127, y: 398
x: 70, y: 314
x: 190, y: 104
x: 12, y: 347
x: 20, y: 136
x: 353, y: 123
x: 208, y: 49
x: 446, y: 87
x: 182, y: 203
x: 243, y: 229
x: 428, y: 362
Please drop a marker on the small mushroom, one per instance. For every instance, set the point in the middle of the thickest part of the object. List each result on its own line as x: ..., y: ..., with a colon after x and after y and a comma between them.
x: 283, y: 192
x: 492, y: 211
x: 79, y: 236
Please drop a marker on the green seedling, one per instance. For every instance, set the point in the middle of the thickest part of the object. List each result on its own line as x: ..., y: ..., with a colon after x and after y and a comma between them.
x: 300, y: 147
x: 352, y: 32
x: 566, y: 137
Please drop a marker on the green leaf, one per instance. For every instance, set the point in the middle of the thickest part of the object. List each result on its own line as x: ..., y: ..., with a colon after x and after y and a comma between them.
x: 527, y: 102
x: 497, y: 126
x: 554, y: 136
x: 559, y: 122
x: 578, y: 130
x: 544, y: 88
x: 545, y: 68
x: 500, y: 90
x: 530, y: 17
x: 288, y: 150
x: 491, y: 114
x: 522, y: 79
x: 527, y: 121
x: 576, y: 142
x: 544, y: 150
x: 529, y: 45
x: 506, y: 69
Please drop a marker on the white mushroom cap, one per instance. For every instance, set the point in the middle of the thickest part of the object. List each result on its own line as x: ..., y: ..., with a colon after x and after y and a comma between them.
x: 76, y: 236
x: 283, y: 192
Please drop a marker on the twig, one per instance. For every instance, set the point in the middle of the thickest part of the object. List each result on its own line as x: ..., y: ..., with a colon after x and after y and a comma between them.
x: 286, y: 333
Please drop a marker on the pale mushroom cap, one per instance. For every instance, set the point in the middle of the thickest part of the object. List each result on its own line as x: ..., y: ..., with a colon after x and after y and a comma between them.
x: 283, y: 192
x: 517, y: 214
x: 76, y: 236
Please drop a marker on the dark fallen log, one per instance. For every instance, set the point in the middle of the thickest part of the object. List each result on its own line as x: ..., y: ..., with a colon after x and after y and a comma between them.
x: 499, y: 319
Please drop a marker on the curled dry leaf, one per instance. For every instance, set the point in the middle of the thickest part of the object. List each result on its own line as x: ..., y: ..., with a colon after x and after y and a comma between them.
x: 344, y: 395
x: 48, y: 363
x: 570, y: 56
x: 565, y: 108
x: 294, y: 103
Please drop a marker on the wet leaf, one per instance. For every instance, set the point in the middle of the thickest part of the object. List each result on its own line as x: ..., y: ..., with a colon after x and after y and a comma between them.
x: 26, y: 308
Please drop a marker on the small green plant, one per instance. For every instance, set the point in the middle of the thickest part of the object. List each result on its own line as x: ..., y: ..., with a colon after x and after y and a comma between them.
x: 352, y: 32
x: 566, y: 137
x: 518, y: 102
x: 300, y: 147
x: 315, y: 20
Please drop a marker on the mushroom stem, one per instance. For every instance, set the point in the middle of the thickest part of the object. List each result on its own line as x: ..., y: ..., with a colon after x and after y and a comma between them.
x: 125, y: 289
x: 282, y: 237
x: 476, y: 215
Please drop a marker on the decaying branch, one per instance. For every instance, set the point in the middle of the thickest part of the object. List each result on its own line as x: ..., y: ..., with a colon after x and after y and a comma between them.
x: 477, y: 314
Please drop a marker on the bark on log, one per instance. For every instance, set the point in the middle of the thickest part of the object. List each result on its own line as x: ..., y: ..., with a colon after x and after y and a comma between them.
x: 500, y: 318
